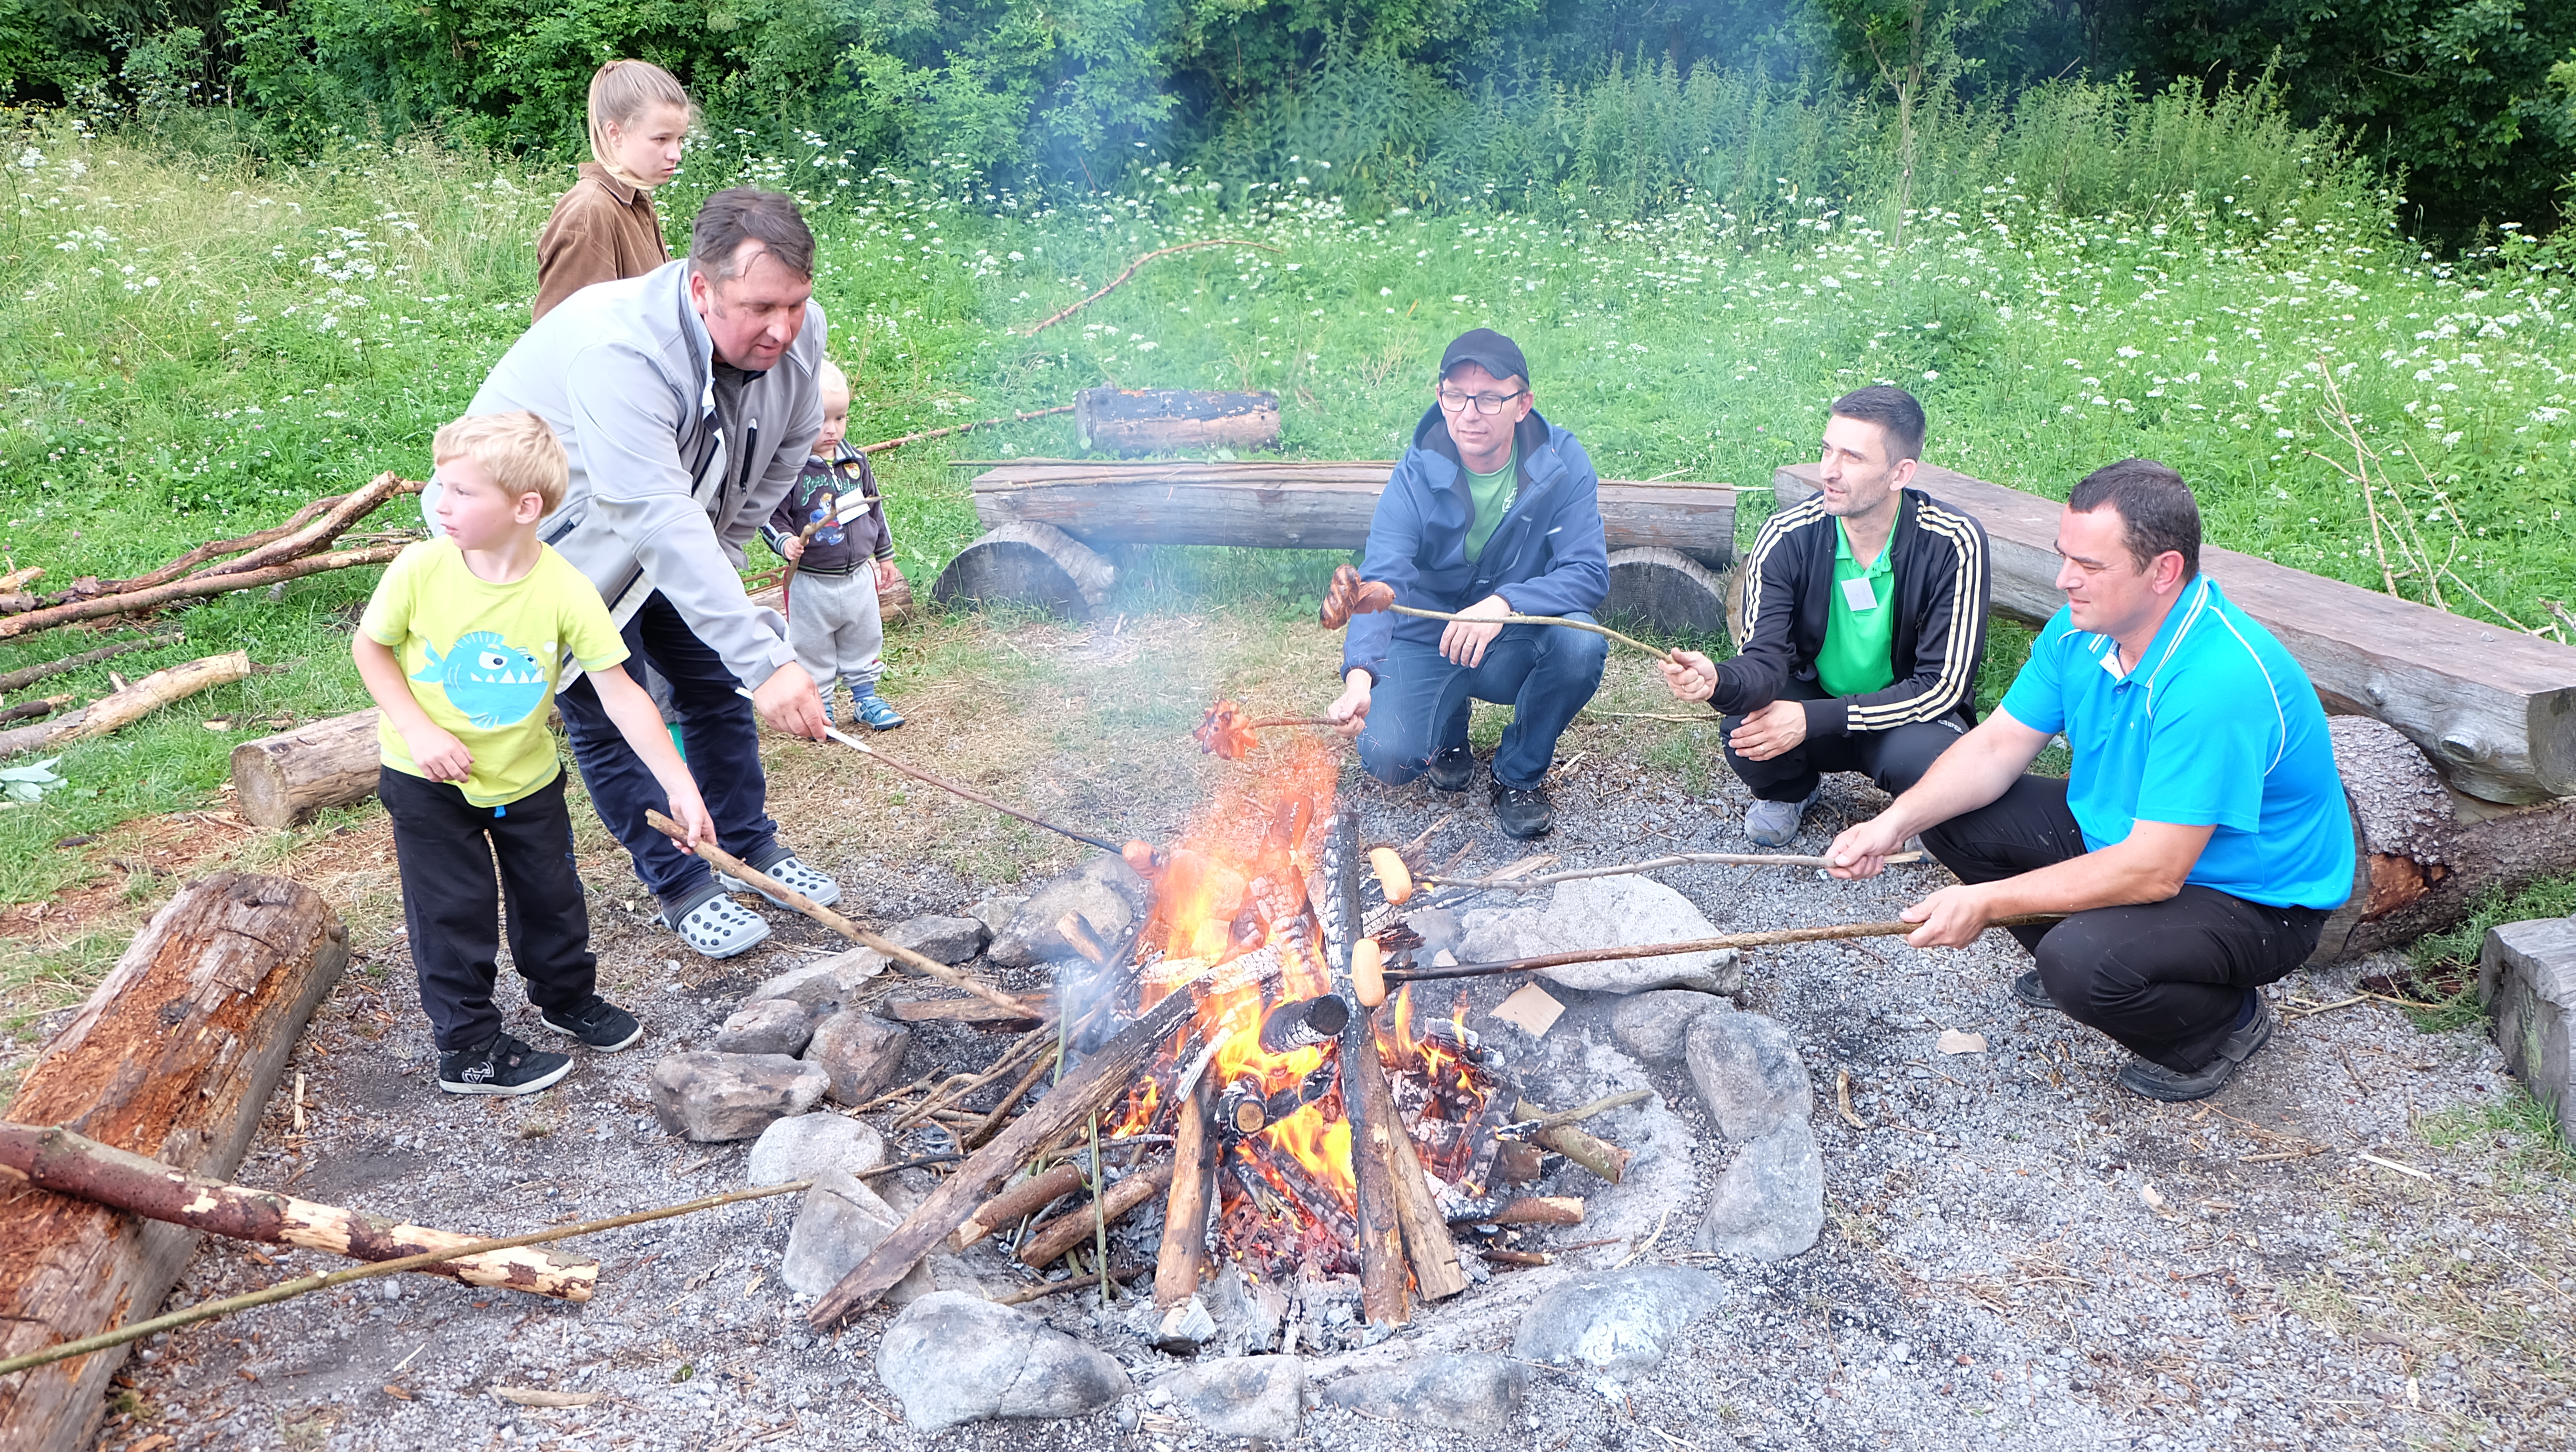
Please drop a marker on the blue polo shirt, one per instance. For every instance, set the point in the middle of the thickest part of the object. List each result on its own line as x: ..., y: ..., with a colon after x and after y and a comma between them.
x: 2216, y: 725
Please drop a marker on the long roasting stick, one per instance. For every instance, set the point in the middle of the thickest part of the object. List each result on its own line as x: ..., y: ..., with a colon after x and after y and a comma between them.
x: 1771, y: 939
x: 969, y: 793
x: 734, y: 866
x: 1658, y: 864
x: 1350, y: 595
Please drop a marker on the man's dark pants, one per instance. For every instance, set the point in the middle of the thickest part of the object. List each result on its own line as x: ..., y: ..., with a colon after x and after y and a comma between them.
x: 2166, y: 979
x: 1419, y: 705
x: 1894, y: 759
x: 445, y: 847
x: 723, y: 734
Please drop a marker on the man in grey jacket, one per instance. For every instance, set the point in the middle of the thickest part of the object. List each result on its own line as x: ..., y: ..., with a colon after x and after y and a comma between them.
x: 686, y: 399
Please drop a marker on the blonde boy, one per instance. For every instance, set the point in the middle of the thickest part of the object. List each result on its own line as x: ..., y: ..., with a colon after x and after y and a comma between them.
x: 462, y: 646
x: 832, y: 524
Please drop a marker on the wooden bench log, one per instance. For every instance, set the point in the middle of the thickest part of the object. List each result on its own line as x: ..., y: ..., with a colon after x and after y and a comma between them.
x: 1169, y: 420
x: 282, y: 780
x: 1028, y: 564
x: 2495, y: 709
x: 173, y: 1058
x: 1668, y: 589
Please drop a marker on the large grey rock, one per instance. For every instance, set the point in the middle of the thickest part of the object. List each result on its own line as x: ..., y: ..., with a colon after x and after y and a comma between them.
x: 956, y: 1273
x: 1748, y: 1073
x: 940, y: 939
x: 861, y: 1052
x: 837, y: 1223
x: 952, y: 1359
x: 825, y: 981
x: 1474, y: 1393
x: 1770, y: 1203
x: 766, y: 1026
x: 1104, y: 890
x: 1617, y: 1322
x: 996, y: 912
x: 1241, y: 1396
x: 2527, y: 974
x: 1655, y: 1026
x: 805, y: 1147
x: 1606, y: 912
x: 716, y: 1097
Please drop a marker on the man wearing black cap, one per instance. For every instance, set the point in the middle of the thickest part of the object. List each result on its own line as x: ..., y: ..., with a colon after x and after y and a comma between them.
x: 1494, y: 511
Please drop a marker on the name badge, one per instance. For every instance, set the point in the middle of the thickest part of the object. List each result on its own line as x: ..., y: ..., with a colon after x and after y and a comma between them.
x: 1859, y: 595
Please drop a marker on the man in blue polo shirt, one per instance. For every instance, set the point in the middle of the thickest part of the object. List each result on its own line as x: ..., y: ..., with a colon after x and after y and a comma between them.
x: 2200, y: 839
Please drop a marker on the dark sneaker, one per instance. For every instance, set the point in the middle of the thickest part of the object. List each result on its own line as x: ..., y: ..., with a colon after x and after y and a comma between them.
x: 1523, y: 812
x: 599, y: 1023
x: 500, y: 1065
x: 1452, y: 767
x: 2155, y: 1081
x: 2029, y: 992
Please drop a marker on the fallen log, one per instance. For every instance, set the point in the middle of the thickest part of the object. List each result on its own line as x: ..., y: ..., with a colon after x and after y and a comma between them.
x: 1102, y: 1078
x: 19, y: 680
x: 1182, y: 1257
x: 282, y: 780
x: 1026, y: 1198
x: 124, y: 707
x: 173, y: 1057
x: 1047, y: 1243
x: 1170, y: 420
x: 68, y: 1163
x: 2493, y: 707
x: 136, y: 601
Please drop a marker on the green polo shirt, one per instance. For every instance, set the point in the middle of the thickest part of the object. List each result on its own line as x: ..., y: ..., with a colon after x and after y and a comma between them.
x: 1492, y: 494
x: 1860, y: 623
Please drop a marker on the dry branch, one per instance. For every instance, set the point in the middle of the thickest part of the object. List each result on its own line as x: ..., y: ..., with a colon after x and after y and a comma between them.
x: 1028, y: 1197
x: 19, y: 680
x: 136, y: 601
x: 981, y: 423
x: 1600, y: 1156
x: 1538, y: 1210
x: 1048, y: 1243
x: 68, y: 1163
x: 344, y: 512
x: 1121, y: 279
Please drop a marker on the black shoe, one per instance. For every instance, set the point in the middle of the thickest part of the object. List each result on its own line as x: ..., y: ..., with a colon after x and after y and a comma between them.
x: 2155, y: 1081
x: 1523, y: 812
x: 599, y: 1023
x: 2029, y: 992
x: 1452, y: 767
x: 500, y: 1065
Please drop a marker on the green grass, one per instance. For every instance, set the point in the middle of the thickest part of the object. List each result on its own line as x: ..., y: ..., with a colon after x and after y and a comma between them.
x: 199, y: 344
x: 2535, y: 1143
x: 2446, y: 963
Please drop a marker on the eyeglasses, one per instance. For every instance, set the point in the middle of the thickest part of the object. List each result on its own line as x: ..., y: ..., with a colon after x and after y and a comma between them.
x: 1485, y: 402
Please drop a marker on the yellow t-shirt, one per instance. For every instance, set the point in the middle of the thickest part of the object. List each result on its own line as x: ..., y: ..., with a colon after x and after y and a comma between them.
x: 483, y: 658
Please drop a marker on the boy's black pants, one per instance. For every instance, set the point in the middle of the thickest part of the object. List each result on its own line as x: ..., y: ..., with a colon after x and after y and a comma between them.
x: 446, y: 847
x: 2166, y: 979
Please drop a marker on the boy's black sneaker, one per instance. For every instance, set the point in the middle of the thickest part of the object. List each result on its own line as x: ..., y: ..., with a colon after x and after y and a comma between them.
x: 500, y: 1065
x: 599, y: 1023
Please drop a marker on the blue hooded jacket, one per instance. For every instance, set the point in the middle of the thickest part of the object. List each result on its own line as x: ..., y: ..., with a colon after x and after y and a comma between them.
x: 1546, y: 557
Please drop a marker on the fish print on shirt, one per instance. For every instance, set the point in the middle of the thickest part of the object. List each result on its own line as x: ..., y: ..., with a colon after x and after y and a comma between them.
x: 489, y: 681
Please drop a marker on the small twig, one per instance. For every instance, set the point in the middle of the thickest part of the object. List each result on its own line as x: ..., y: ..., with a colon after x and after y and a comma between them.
x: 1678, y: 859
x: 897, y: 443
x: 1843, y: 1100
x: 2276, y: 1156
x: 1070, y: 1283
x: 21, y: 679
x: 2355, y: 1073
x: 1584, y: 1112
x: 2394, y: 1165
x: 1120, y: 280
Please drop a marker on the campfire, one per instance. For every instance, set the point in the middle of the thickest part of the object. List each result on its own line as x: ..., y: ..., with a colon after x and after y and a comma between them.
x: 1255, y: 913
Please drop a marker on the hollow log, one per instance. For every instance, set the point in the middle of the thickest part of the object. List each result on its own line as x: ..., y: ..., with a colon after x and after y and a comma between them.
x: 173, y: 1058
x: 193, y: 588
x: 2424, y: 854
x: 1183, y: 1255
x: 1667, y: 589
x: 2493, y: 707
x: 1028, y: 564
x: 1047, y: 1243
x: 73, y: 1164
x: 281, y: 780
x: 124, y: 707
x: 1103, y: 1077
x: 1169, y: 420
x: 1028, y: 1197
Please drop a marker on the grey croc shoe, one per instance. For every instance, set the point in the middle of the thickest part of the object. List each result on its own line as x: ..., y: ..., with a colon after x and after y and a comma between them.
x: 820, y: 890
x: 719, y: 927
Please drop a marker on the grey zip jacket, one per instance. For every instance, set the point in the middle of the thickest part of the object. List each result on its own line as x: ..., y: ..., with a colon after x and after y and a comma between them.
x: 624, y: 371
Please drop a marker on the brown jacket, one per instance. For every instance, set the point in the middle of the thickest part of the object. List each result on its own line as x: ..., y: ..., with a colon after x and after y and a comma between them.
x: 601, y: 230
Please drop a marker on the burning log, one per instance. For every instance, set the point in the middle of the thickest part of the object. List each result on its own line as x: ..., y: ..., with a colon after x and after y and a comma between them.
x: 176, y: 1053
x: 1306, y: 1022
x: 1183, y: 1256
x: 1028, y: 1197
x: 284, y: 779
x: 67, y: 1163
x: 1102, y: 1079
x: 1600, y: 1156
x: 1047, y: 1243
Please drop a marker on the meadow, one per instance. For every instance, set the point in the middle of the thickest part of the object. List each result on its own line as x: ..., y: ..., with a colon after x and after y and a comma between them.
x: 198, y: 343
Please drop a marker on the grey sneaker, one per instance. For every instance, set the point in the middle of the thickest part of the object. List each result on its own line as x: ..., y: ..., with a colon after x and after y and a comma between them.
x: 2155, y: 1081
x: 1772, y: 824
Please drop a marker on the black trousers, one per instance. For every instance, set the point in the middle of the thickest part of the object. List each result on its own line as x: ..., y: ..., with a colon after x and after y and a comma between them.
x: 1894, y: 759
x: 446, y: 847
x: 2166, y: 979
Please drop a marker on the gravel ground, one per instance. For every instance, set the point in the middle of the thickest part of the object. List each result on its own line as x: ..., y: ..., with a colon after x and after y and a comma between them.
x: 2018, y: 1254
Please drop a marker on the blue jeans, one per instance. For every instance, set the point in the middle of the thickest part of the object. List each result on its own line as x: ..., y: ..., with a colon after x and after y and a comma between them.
x: 723, y: 735
x: 1419, y: 705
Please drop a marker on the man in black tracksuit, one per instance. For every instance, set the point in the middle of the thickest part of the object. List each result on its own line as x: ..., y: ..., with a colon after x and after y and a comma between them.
x: 1863, y: 625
